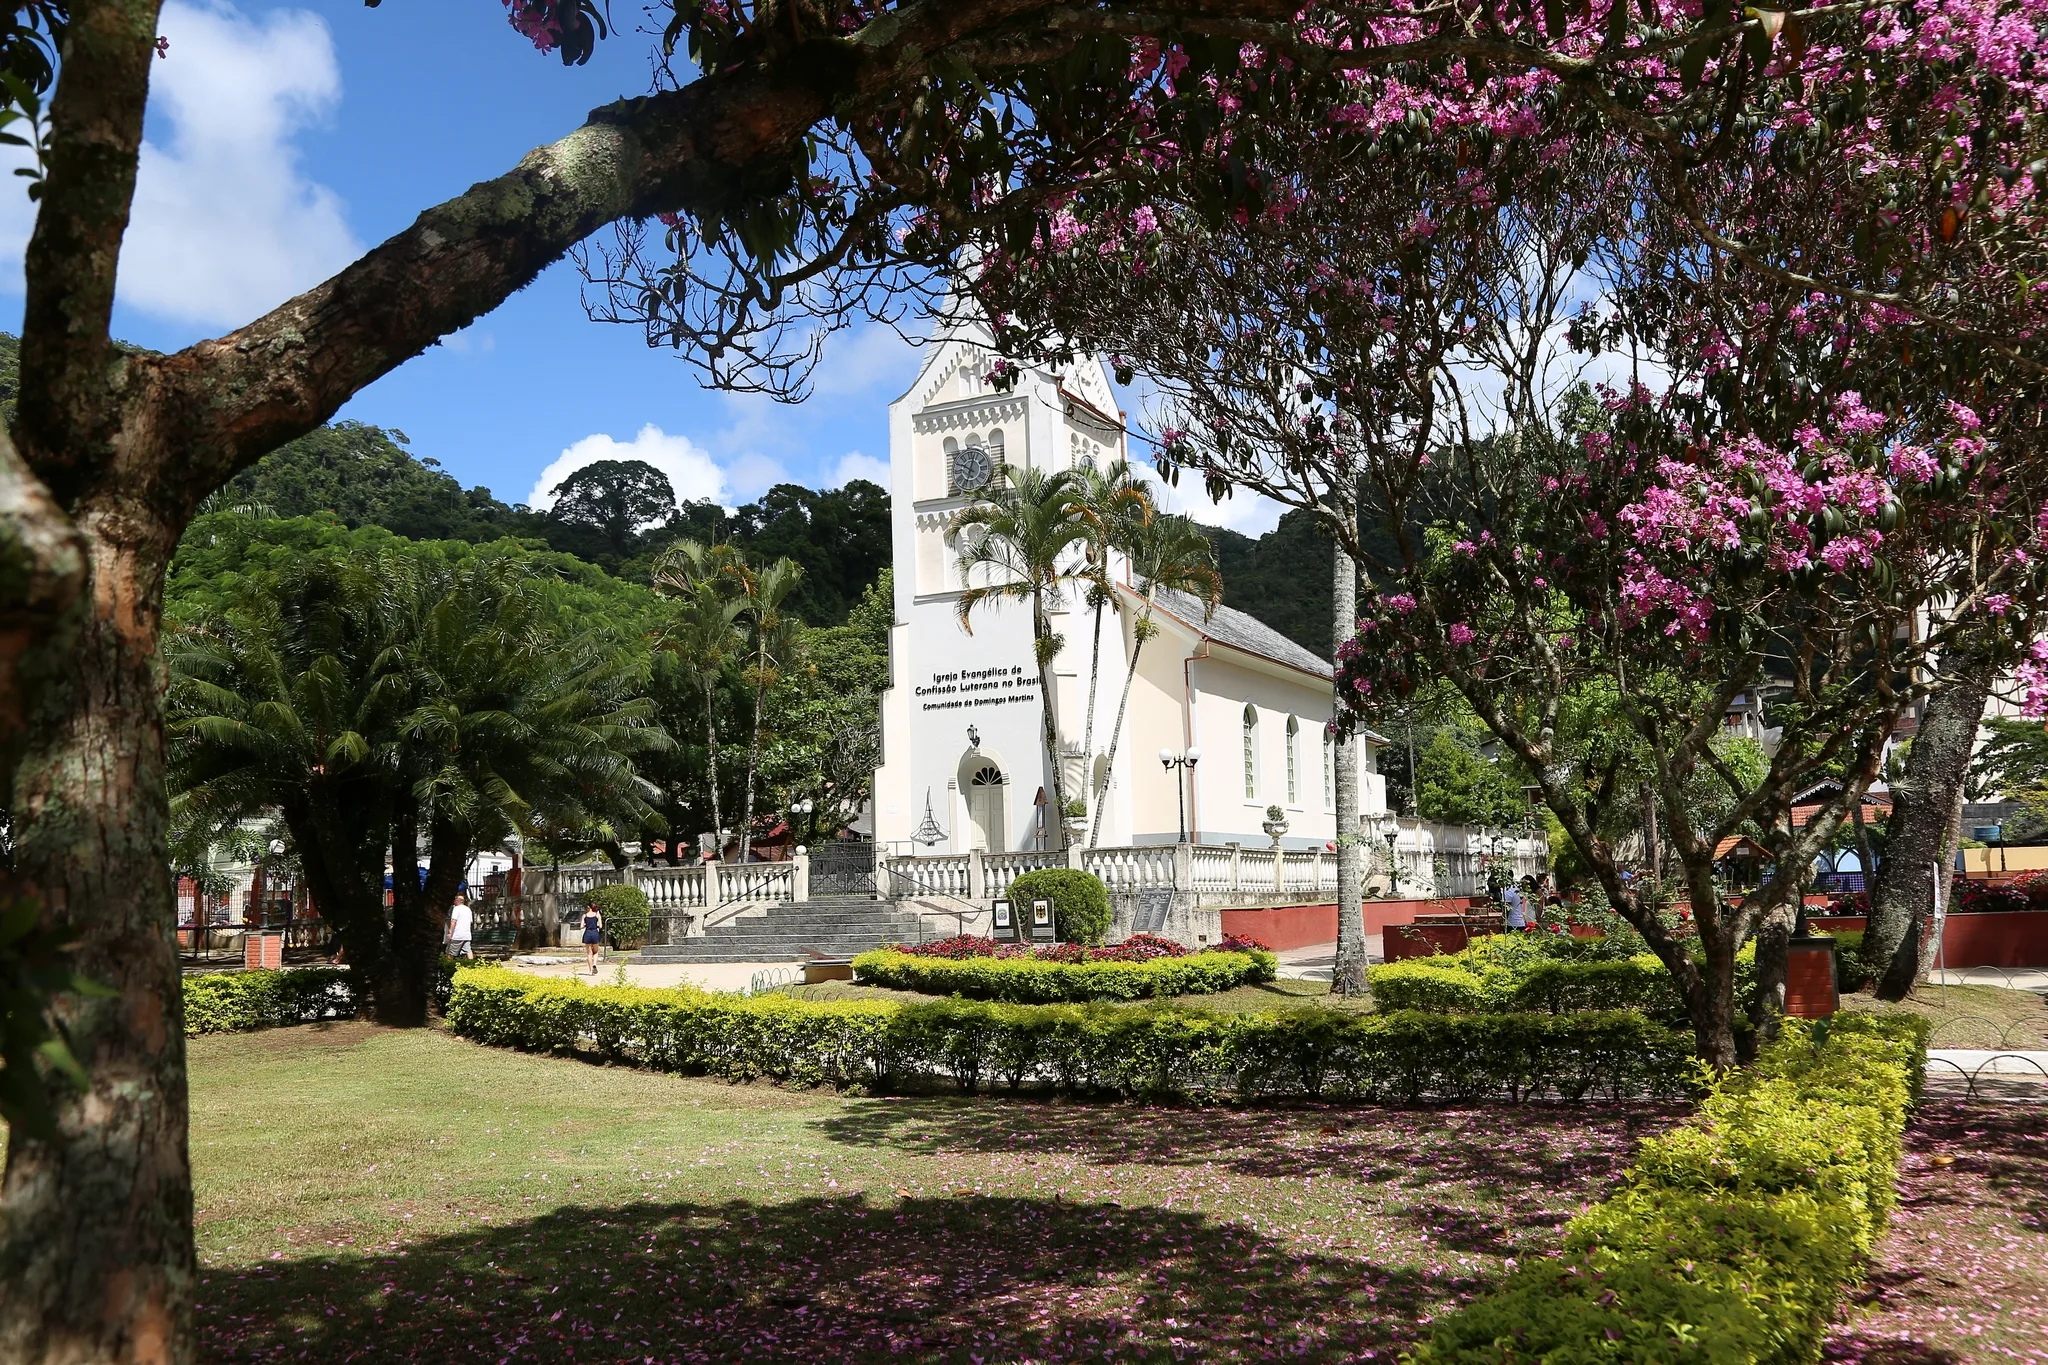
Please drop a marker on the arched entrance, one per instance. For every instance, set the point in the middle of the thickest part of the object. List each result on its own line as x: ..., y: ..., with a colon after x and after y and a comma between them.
x: 987, y: 789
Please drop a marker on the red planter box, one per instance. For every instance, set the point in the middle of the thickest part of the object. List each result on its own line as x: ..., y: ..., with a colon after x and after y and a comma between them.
x: 1281, y: 927
x: 262, y: 950
x: 1810, y: 978
x: 2004, y: 938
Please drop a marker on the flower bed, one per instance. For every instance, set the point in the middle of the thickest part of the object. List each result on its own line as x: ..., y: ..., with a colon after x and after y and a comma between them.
x: 1143, y: 968
x: 1736, y: 1235
x: 1159, y: 1052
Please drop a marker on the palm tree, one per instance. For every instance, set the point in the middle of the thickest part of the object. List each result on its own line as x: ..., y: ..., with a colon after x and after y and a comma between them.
x: 280, y: 702
x: 1166, y: 552
x: 1115, y: 504
x: 773, y: 643
x: 1014, y: 541
x: 703, y: 632
x: 513, y: 714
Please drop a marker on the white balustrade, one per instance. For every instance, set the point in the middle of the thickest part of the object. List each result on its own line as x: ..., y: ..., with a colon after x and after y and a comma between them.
x: 998, y: 870
x: 1210, y: 867
x: 673, y: 888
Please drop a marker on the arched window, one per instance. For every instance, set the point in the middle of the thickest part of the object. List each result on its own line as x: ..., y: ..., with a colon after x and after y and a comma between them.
x: 1329, y: 770
x: 995, y: 446
x: 1293, y: 761
x: 1251, y: 753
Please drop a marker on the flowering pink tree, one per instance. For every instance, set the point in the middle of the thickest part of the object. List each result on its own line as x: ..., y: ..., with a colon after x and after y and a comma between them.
x: 1750, y: 520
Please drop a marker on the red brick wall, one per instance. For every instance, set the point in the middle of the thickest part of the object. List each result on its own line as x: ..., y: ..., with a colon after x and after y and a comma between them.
x: 1304, y: 926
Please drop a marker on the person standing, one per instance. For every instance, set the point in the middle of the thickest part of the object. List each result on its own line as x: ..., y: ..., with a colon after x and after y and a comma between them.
x: 1511, y: 901
x: 593, y: 934
x: 459, y: 928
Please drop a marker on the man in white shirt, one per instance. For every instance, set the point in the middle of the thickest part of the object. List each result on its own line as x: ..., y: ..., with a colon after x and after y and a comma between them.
x: 1511, y: 900
x: 458, y: 927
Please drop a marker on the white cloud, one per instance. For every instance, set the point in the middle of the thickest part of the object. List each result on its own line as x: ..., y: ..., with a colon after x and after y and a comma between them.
x: 753, y: 474
x: 226, y: 225
x: 690, y: 469
x: 872, y: 362
x: 854, y: 465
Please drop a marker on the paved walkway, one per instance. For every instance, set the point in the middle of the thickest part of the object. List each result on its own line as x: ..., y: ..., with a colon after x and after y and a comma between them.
x: 710, y: 976
x: 2012, y: 978
x: 1318, y: 961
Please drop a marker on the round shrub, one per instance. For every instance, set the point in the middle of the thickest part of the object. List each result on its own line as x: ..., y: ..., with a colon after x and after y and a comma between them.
x: 1080, y: 902
x: 626, y: 913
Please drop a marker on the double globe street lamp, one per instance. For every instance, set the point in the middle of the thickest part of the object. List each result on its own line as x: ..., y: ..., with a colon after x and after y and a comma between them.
x: 1172, y: 762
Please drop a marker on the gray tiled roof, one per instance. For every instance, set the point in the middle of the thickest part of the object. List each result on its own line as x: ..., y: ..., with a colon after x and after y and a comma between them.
x: 1232, y: 627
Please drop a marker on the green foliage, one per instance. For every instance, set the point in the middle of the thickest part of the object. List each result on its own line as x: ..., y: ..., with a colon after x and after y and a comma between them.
x: 1737, y: 1234
x: 363, y: 476
x: 626, y: 912
x: 2014, y: 763
x: 1151, y: 1052
x: 1027, y: 980
x: 1547, y: 972
x: 1850, y: 973
x: 1080, y: 902
x: 237, y: 1002
x: 615, y: 498
x: 1459, y: 786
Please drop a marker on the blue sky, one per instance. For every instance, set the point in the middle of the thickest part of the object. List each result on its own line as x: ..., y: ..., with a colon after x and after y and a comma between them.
x: 286, y: 138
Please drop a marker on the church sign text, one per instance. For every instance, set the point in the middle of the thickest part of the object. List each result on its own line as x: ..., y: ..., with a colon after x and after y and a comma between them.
x: 977, y: 687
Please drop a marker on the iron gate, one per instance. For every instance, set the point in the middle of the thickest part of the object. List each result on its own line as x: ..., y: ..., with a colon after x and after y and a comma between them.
x: 843, y: 869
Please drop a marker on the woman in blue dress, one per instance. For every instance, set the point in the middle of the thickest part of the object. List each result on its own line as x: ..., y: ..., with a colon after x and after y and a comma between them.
x: 593, y: 935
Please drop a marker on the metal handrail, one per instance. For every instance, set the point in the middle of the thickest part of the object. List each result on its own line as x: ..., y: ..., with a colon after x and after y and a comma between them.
x: 959, y: 917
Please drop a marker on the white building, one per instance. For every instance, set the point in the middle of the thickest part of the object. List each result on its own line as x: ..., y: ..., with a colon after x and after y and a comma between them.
x: 964, y: 764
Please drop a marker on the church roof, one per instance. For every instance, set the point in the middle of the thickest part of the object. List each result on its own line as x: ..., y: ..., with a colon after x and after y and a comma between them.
x: 1243, y: 631
x: 1240, y: 630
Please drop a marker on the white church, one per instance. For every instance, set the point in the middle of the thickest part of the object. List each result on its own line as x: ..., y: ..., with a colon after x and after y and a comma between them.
x: 964, y: 766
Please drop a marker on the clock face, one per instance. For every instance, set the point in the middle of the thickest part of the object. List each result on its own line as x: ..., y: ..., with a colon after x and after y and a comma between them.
x: 971, y: 469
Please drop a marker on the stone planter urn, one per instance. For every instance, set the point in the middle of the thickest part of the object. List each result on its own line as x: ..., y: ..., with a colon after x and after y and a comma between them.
x: 1276, y: 824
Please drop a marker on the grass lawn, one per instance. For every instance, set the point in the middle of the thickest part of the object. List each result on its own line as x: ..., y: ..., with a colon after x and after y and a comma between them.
x: 1971, y: 1016
x: 1962, y: 1275
x: 366, y: 1194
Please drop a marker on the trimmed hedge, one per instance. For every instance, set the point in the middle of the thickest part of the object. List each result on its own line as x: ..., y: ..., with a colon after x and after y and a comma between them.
x: 1735, y: 1235
x: 237, y: 1002
x: 626, y: 910
x: 1036, y: 981
x: 1151, y: 1052
x: 1080, y: 902
x: 1518, y: 972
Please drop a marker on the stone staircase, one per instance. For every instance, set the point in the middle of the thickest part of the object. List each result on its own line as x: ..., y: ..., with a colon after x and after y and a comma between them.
x: 827, y: 926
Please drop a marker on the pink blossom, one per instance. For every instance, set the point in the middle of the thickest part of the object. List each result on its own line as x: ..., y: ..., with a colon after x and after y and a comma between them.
x: 1400, y: 604
x: 1144, y: 221
x: 1460, y: 634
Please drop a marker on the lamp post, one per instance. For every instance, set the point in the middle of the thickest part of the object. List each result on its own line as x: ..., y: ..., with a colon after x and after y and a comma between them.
x: 1173, y: 763
x: 801, y: 808
x: 1387, y: 826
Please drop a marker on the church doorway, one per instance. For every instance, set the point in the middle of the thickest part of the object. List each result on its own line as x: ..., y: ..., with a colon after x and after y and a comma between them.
x: 986, y: 789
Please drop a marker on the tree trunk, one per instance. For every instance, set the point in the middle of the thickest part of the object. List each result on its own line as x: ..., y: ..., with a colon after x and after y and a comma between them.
x: 753, y: 767
x: 1349, y: 976
x: 711, y: 762
x: 1711, y: 1006
x: 1773, y: 933
x: 1918, y: 847
x: 1094, y: 678
x: 406, y: 982
x: 1041, y: 632
x: 97, y: 1258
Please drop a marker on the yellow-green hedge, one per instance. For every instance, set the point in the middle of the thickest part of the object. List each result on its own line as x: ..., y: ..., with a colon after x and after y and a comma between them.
x: 1034, y: 981
x: 1151, y: 1050
x: 1735, y: 1235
